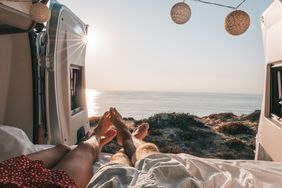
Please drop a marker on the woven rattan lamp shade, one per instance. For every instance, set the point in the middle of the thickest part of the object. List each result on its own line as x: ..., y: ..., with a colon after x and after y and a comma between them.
x: 180, y: 13
x: 237, y: 22
x: 40, y: 13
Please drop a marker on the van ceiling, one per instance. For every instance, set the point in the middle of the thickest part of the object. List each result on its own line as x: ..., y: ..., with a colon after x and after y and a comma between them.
x: 14, y: 20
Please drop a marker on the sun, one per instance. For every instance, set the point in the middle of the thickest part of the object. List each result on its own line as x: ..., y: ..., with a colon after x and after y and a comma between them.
x: 91, y: 40
x: 85, y: 39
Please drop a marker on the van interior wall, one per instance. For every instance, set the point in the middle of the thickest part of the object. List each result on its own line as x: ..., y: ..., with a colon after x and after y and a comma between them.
x: 16, y: 97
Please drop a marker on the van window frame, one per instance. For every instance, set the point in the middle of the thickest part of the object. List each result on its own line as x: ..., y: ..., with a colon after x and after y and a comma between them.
x: 275, y: 96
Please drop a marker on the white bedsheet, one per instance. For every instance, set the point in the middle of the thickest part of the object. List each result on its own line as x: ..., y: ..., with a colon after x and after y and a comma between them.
x: 206, y: 172
x: 182, y: 170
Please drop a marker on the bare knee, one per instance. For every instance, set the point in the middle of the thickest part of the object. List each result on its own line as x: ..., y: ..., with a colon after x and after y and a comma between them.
x: 121, y: 158
x: 118, y: 156
x: 148, y: 147
x: 144, y: 150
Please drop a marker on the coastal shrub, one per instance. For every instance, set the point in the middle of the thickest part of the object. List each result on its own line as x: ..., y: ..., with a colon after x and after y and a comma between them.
x: 189, y: 135
x: 222, y: 116
x: 235, y: 143
x: 185, y: 133
x: 155, y: 132
x: 176, y: 120
x: 234, y: 128
x: 226, y: 155
x: 172, y: 149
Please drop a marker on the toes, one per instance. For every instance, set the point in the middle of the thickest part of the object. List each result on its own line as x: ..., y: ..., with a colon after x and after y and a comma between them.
x: 112, y: 111
x: 142, y: 127
x: 145, y: 126
x: 141, y: 131
x: 106, y: 114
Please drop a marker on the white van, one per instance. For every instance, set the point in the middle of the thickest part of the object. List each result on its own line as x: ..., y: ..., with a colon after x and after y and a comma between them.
x: 269, y: 136
x: 42, y: 73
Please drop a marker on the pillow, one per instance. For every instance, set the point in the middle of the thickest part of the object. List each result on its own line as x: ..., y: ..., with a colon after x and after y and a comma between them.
x: 15, y: 142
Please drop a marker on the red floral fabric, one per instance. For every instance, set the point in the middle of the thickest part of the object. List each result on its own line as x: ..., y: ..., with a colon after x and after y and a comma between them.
x: 23, y: 172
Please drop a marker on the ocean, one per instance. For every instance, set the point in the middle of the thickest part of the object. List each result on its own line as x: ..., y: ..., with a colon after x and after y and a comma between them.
x: 141, y: 105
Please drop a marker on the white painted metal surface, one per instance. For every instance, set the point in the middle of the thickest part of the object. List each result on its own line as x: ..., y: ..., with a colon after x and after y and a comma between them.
x: 269, y: 137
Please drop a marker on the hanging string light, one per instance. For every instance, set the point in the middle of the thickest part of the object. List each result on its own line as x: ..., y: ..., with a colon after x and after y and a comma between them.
x: 40, y: 13
x: 222, y: 5
x: 236, y: 23
x: 180, y: 13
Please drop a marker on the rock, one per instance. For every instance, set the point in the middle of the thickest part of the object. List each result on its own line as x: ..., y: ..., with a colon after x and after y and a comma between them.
x: 253, y: 117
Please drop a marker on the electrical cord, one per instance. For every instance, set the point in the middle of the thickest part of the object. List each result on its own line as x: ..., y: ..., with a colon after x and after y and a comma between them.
x: 221, y: 5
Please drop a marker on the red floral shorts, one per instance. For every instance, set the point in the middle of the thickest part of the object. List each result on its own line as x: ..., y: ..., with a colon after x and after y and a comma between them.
x: 23, y: 172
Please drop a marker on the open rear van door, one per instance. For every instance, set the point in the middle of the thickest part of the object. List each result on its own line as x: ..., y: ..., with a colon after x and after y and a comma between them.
x: 269, y: 136
x: 67, y: 118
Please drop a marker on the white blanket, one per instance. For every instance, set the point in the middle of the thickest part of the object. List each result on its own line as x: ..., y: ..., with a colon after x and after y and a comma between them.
x: 162, y: 170
x: 183, y: 170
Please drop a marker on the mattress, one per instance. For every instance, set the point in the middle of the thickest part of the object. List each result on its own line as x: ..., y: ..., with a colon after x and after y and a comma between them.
x: 172, y: 170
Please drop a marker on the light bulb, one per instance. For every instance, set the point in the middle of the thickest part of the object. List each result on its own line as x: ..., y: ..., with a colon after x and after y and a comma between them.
x: 40, y: 13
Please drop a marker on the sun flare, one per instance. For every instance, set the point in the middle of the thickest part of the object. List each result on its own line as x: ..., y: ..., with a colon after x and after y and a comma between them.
x: 92, y: 41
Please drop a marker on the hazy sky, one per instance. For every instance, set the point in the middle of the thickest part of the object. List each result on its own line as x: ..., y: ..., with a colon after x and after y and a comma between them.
x: 135, y: 46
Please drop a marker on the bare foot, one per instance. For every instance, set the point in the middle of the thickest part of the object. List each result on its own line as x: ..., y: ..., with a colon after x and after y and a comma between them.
x: 108, y: 137
x: 118, y: 122
x: 103, y: 125
x: 119, y: 138
x: 141, y: 131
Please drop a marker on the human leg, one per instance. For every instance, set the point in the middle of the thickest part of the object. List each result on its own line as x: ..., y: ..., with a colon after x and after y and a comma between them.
x: 121, y: 157
x: 50, y: 156
x: 140, y: 133
x: 135, y: 148
x: 78, y: 162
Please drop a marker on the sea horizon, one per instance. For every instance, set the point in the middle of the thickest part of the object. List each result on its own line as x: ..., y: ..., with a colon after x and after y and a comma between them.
x: 143, y: 104
x: 164, y: 91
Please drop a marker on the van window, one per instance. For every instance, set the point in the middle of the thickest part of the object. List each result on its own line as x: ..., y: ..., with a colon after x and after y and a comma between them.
x: 276, y: 92
x: 76, y: 89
